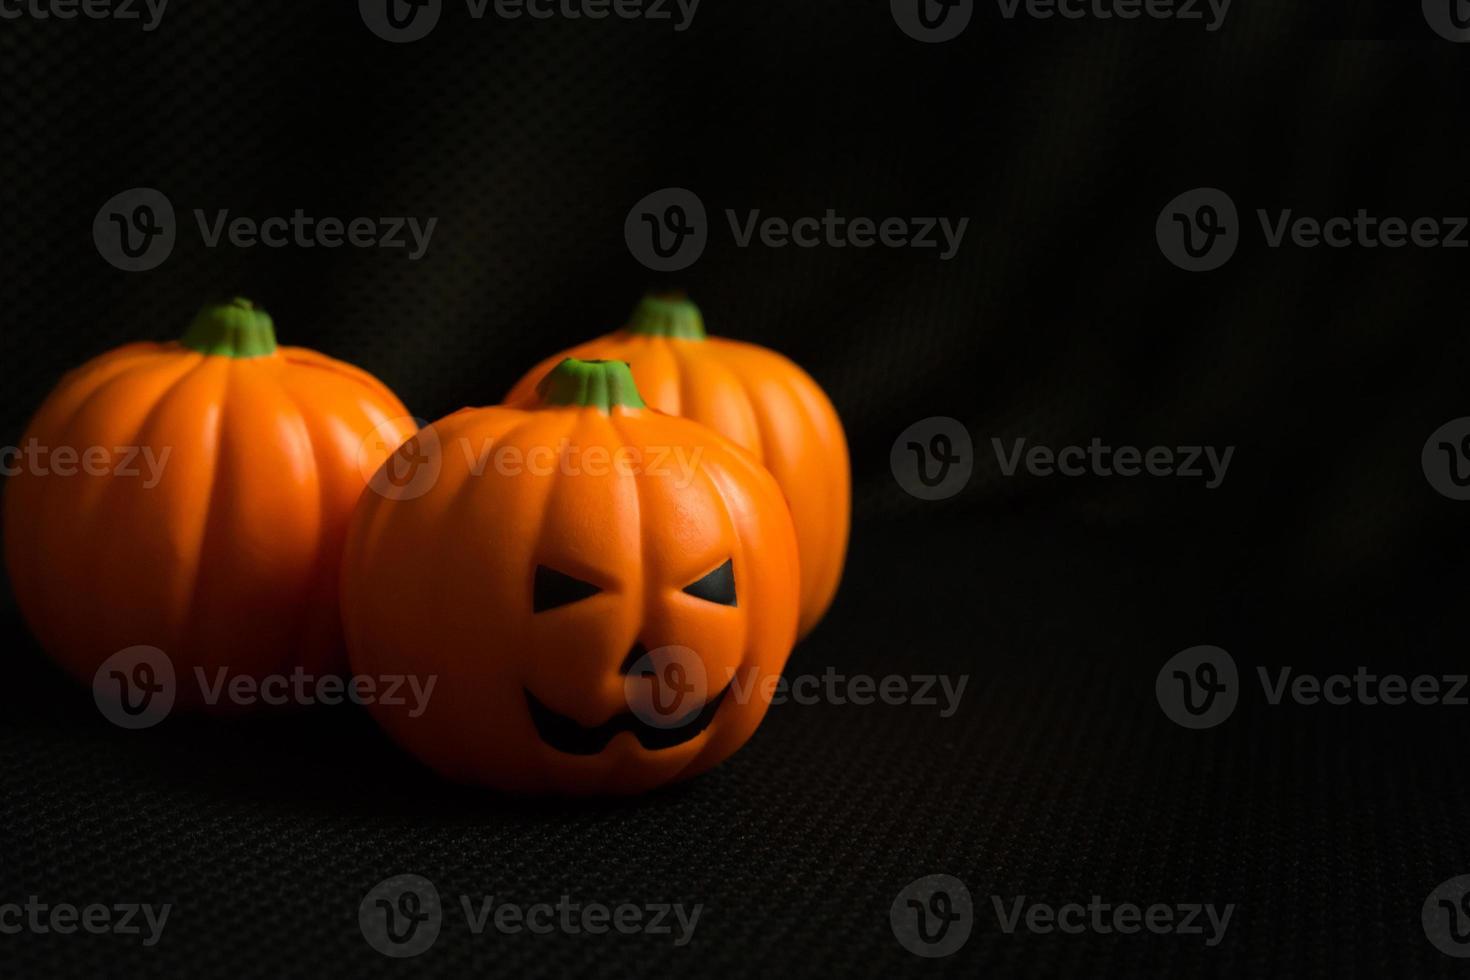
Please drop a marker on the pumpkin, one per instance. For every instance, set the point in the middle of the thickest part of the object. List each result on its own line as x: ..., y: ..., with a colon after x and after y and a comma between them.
x: 209, y: 521
x: 754, y: 397
x: 602, y: 594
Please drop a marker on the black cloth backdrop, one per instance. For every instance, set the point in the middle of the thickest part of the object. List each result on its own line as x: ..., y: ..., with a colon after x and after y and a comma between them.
x: 1059, y: 321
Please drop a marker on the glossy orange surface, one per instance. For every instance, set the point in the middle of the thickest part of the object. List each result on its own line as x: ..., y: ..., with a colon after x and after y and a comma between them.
x: 440, y: 580
x: 755, y: 397
x: 230, y: 559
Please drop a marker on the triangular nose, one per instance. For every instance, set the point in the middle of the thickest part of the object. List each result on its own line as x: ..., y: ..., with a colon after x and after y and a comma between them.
x: 635, y: 654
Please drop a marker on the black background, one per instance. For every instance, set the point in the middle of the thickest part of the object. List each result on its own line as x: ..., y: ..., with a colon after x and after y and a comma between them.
x: 1059, y: 778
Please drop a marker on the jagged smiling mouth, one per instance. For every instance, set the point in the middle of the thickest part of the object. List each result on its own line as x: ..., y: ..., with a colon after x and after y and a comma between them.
x: 565, y: 735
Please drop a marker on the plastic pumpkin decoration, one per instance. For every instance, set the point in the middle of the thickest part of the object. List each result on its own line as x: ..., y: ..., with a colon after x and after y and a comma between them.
x: 757, y: 399
x: 604, y: 593
x: 193, y: 496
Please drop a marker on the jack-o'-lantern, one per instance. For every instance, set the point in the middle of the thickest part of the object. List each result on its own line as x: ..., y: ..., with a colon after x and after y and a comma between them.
x: 193, y: 496
x: 756, y: 398
x: 600, y: 593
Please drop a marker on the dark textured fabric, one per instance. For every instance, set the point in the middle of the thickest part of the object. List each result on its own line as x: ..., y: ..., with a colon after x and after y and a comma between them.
x: 1059, y: 778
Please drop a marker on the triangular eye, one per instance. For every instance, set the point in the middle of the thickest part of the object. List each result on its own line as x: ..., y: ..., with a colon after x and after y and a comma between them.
x: 717, y: 586
x: 554, y: 589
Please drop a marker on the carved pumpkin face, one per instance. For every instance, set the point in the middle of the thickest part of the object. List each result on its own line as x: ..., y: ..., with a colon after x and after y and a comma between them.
x: 210, y: 523
x: 757, y: 399
x: 585, y: 578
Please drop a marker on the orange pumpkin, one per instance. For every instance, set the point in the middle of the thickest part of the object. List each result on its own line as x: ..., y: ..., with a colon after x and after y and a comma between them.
x: 602, y: 591
x: 754, y: 397
x: 209, y: 521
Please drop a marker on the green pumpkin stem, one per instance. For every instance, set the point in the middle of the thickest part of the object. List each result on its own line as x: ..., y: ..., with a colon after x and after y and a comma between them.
x: 237, y: 328
x: 590, y: 384
x: 668, y: 315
